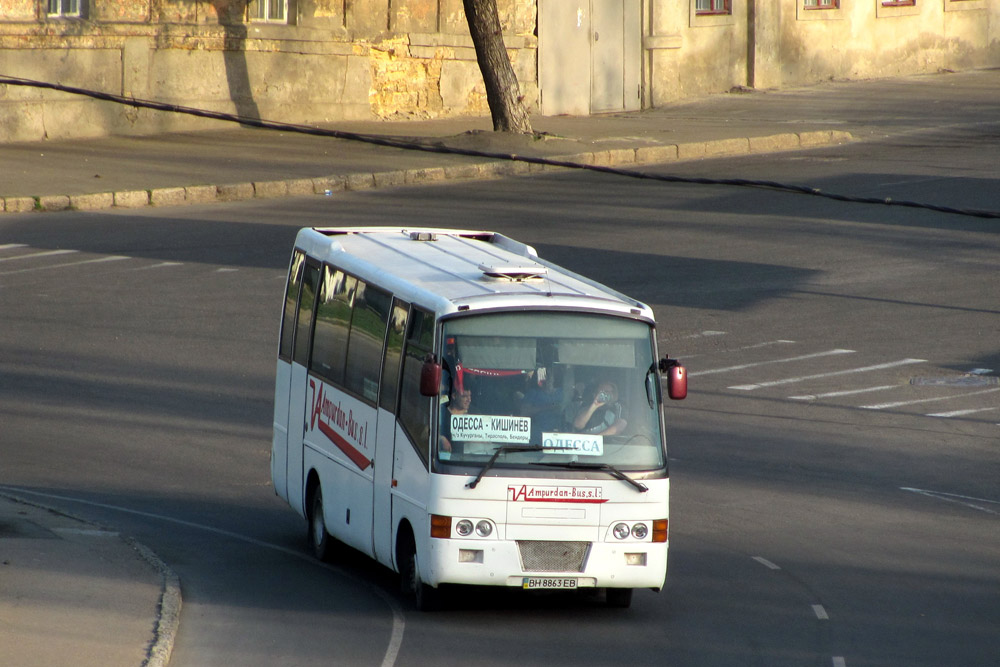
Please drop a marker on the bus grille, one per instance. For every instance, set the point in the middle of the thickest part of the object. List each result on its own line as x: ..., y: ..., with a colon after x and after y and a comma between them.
x: 553, y: 556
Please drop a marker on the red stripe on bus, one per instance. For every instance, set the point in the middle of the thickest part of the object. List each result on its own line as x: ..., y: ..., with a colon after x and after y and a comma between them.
x: 356, y: 457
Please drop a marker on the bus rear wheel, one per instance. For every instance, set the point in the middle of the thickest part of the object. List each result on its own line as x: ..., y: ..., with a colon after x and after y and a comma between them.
x: 320, y: 540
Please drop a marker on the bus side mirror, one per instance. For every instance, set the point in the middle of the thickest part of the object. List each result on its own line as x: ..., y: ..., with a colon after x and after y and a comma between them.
x: 677, y: 381
x: 430, y: 377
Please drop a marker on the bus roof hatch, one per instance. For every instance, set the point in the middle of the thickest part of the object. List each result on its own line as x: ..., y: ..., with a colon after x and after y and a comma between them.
x: 512, y: 272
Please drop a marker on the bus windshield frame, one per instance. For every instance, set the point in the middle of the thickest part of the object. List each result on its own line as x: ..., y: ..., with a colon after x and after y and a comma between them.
x: 548, y: 387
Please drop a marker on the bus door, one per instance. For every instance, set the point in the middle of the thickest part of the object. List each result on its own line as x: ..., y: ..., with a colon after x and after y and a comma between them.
x: 283, y: 377
x: 386, y: 432
x: 298, y: 385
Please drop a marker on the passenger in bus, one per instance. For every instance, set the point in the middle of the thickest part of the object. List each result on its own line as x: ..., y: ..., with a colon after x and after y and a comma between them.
x: 459, y: 404
x: 601, y: 414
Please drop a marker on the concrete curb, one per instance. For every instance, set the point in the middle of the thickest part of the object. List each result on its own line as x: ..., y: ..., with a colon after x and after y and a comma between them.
x: 327, y: 185
x: 168, y: 620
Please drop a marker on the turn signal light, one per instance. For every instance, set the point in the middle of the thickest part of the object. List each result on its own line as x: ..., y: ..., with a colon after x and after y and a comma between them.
x: 440, y: 526
x: 660, y: 530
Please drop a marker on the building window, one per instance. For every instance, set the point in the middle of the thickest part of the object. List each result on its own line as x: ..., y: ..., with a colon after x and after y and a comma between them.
x: 819, y: 10
x: 702, y: 7
x: 64, y: 7
x: 267, y: 10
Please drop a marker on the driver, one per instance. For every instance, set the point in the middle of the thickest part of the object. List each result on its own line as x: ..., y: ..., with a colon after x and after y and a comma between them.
x: 459, y: 404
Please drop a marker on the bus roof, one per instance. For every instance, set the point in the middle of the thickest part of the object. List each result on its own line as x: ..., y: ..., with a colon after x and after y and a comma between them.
x: 451, y: 270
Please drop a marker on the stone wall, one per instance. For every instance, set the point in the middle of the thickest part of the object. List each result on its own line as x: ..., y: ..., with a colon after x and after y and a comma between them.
x: 333, y: 60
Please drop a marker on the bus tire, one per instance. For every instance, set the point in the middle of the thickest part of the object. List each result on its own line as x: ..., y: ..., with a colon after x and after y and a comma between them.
x: 426, y: 597
x: 320, y: 540
x: 619, y: 598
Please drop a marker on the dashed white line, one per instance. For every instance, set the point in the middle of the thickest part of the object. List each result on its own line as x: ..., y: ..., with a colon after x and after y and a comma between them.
x: 780, y: 341
x: 838, y: 661
x: 820, y: 612
x: 897, y: 404
x: 766, y: 563
x: 97, y: 260
x: 961, y: 413
x: 12, y: 246
x: 803, y: 378
x: 706, y: 334
x: 46, y: 253
x: 732, y: 350
x: 161, y: 265
x: 956, y: 498
x: 740, y: 367
x: 847, y: 392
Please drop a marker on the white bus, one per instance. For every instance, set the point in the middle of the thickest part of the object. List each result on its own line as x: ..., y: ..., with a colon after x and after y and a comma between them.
x: 466, y: 412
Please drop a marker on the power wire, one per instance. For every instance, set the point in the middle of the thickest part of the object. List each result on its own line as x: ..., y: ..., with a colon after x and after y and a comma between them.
x: 380, y: 140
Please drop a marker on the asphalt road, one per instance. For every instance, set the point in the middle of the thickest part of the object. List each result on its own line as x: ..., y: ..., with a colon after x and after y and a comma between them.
x: 836, y: 473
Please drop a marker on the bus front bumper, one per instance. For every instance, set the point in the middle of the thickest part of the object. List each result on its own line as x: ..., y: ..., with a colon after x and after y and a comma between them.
x: 499, y: 563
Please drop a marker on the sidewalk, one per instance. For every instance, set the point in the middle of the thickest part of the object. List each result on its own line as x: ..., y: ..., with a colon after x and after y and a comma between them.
x: 72, y: 593
x: 233, y: 163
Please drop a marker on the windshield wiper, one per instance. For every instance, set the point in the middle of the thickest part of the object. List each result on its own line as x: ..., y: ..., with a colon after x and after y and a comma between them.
x: 504, y: 449
x: 604, y: 467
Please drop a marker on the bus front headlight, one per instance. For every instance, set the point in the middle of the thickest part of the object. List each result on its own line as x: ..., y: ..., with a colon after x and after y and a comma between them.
x: 621, y: 530
x: 463, y: 528
x: 484, y: 528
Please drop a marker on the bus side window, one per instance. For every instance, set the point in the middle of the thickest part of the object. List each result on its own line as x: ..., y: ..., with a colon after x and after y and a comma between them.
x: 393, y: 355
x: 415, y: 409
x: 333, y: 321
x: 291, y: 300
x: 366, y: 341
x: 307, y: 304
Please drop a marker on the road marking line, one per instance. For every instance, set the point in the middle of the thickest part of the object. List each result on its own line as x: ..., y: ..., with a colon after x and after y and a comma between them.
x: 849, y: 392
x: 960, y: 413
x: 12, y: 246
x: 882, y: 406
x: 33, y: 255
x: 160, y: 265
x: 820, y: 612
x: 954, y: 498
x: 772, y: 361
x: 756, y: 346
x: 733, y: 349
x: 113, y: 258
x: 863, y: 369
x: 766, y: 563
x: 838, y: 661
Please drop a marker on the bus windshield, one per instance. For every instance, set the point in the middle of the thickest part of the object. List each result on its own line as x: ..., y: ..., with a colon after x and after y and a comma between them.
x: 549, y: 387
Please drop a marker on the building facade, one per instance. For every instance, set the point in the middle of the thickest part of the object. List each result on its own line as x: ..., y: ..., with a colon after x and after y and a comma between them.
x: 320, y: 61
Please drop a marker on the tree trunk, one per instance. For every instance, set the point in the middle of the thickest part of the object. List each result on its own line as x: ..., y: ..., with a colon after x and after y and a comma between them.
x: 502, y: 91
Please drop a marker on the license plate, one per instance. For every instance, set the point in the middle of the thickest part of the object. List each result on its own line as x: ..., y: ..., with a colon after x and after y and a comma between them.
x: 548, y: 582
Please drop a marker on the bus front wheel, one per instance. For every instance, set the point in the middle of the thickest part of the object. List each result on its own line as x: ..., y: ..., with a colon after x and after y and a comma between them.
x: 320, y: 540
x: 426, y: 597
